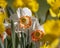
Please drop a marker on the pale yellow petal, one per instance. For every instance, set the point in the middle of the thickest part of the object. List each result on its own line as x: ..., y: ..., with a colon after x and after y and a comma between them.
x: 47, y: 26
x: 52, y: 13
x: 56, y: 5
x: 51, y: 2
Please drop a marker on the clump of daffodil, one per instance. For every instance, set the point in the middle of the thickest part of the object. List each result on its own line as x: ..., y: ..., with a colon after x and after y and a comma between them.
x: 3, y: 3
x: 54, y: 44
x: 32, y: 4
x: 55, y: 7
x: 52, y: 27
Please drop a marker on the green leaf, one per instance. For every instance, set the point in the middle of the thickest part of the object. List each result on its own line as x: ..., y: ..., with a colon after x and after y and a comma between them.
x: 13, y: 34
x: 17, y: 41
x: 9, y: 11
x: 9, y: 41
x: 2, y: 46
x: 23, y: 40
x: 31, y: 45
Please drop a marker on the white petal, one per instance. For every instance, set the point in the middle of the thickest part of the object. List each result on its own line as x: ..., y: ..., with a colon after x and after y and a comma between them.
x: 4, y: 35
x: 41, y: 28
x: 27, y: 12
x: 18, y: 12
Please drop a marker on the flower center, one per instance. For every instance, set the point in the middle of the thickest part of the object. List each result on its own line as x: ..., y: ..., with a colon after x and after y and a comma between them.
x: 37, y: 34
x: 23, y: 20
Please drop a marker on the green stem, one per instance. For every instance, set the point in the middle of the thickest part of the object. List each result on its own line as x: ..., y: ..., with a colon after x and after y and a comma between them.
x: 5, y: 43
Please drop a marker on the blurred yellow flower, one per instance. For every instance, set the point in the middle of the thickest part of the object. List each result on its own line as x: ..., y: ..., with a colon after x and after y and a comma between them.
x: 52, y: 27
x: 54, y: 44
x: 55, y: 7
x: 2, y: 28
x: 34, y: 6
x: 28, y: 1
x: 2, y: 17
x: 3, y: 3
x: 18, y: 3
x: 51, y: 2
x: 52, y: 13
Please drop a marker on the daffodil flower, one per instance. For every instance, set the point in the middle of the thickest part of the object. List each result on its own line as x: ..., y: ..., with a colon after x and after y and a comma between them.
x: 37, y: 35
x: 2, y: 15
x: 25, y: 22
x: 33, y: 7
x: 55, y: 7
x: 2, y: 18
x: 3, y: 3
x: 52, y: 27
